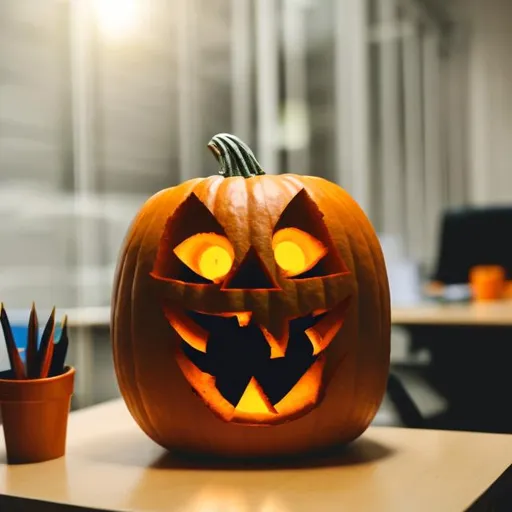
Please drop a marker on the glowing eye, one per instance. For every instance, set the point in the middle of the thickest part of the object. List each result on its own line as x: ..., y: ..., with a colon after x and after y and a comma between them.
x: 215, y: 262
x: 296, y: 251
x: 290, y: 257
x: 207, y: 254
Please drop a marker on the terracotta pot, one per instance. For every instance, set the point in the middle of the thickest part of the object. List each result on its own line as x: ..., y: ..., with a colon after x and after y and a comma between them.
x: 35, y: 417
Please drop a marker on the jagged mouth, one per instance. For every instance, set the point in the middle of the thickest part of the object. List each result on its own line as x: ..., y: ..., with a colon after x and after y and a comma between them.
x: 246, y: 374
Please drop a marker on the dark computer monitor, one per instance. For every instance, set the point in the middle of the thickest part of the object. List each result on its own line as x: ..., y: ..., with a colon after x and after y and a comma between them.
x: 474, y: 236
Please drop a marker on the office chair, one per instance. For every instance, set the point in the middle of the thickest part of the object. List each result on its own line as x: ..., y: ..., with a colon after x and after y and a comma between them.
x: 407, y: 410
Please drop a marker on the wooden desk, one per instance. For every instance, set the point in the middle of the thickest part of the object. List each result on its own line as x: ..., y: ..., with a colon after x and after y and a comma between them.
x: 497, y: 313
x: 470, y: 347
x: 112, y: 465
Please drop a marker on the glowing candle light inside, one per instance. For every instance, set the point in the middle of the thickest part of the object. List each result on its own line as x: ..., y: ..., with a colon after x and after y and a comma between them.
x: 215, y: 262
x: 290, y: 257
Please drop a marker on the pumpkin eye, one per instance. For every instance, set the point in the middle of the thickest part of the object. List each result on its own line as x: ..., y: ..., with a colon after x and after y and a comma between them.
x: 296, y: 251
x: 207, y: 254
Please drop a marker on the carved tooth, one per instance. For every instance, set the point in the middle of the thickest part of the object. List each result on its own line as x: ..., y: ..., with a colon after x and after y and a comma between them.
x: 244, y: 318
x: 277, y: 346
x: 254, y: 400
x: 326, y: 329
x: 323, y: 333
x: 304, y: 394
x: 187, y: 329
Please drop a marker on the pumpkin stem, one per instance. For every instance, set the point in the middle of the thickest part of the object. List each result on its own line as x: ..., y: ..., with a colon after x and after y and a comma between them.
x: 234, y: 156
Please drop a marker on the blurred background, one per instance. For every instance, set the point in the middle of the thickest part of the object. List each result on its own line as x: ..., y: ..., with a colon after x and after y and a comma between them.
x: 405, y: 103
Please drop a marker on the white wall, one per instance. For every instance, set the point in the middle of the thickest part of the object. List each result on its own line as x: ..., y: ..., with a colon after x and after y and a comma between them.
x: 490, y: 93
x: 32, y: 85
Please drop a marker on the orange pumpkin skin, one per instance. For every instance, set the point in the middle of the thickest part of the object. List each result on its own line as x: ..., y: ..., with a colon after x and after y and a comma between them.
x: 147, y: 349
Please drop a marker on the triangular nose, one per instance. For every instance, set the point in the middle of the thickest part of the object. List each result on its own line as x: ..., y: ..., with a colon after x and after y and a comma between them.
x: 251, y: 275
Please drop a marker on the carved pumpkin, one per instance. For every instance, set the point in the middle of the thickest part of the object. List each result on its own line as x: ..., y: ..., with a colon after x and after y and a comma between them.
x: 251, y: 313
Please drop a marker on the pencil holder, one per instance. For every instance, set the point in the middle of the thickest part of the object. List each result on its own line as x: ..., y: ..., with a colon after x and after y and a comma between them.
x: 35, y: 416
x: 35, y: 395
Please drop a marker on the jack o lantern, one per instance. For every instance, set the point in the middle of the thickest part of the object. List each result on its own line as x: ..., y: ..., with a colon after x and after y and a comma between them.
x: 245, y: 300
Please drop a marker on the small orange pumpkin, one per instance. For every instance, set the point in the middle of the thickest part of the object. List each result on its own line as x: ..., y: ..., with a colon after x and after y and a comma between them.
x: 250, y: 313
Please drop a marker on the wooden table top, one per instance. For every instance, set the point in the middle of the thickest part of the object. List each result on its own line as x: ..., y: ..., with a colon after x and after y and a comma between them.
x: 496, y: 313
x: 112, y: 465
